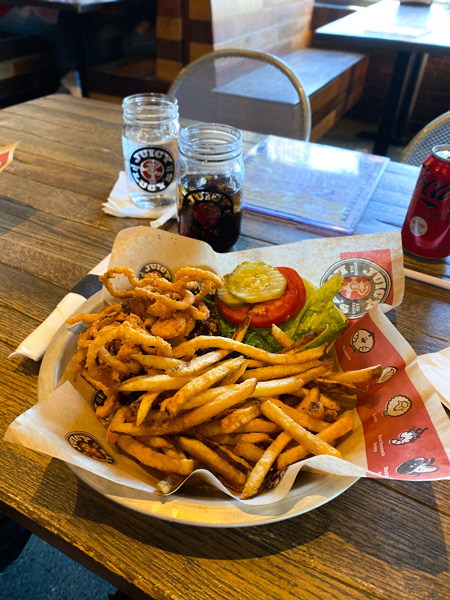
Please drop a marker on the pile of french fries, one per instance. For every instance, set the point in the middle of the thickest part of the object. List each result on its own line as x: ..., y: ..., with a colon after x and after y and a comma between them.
x: 242, y: 412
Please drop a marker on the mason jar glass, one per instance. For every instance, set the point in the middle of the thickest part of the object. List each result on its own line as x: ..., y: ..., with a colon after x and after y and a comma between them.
x: 210, y: 182
x: 149, y: 141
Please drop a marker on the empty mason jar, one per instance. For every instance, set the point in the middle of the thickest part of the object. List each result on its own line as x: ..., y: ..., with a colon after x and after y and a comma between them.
x: 210, y: 180
x: 149, y: 140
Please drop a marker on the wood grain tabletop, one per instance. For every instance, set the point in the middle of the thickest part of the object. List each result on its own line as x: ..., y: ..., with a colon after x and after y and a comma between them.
x: 380, y: 539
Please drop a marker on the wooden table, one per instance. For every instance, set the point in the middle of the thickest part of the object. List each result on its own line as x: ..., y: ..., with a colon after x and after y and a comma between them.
x: 413, y: 31
x: 380, y: 539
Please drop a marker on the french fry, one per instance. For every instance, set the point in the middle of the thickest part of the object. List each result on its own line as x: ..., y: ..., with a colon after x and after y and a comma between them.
x: 152, y: 458
x: 211, y: 341
x: 236, y: 376
x: 241, y: 329
x: 170, y: 483
x: 311, y: 404
x: 206, y: 396
x: 154, y: 383
x: 259, y: 426
x: 185, y: 421
x: 231, y: 439
x: 146, y: 402
x: 260, y: 470
x: 281, y: 337
x: 359, y: 376
x: 328, y: 402
x: 289, y: 423
x: 194, y: 366
x: 119, y: 417
x: 156, y: 441
x: 286, y: 385
x: 164, y: 363
x: 248, y: 450
x: 300, y: 416
x: 241, y: 416
x: 328, y: 385
x: 211, y: 429
x: 214, y: 428
x: 253, y: 363
x: 278, y: 371
x: 329, y: 415
x: 333, y: 432
x: 225, y: 439
x: 304, y: 341
x: 174, y: 404
x: 256, y: 437
x: 212, y: 460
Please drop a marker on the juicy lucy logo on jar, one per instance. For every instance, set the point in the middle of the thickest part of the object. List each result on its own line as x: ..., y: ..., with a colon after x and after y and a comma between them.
x: 155, y: 267
x: 87, y: 444
x: 365, y: 285
x: 152, y: 168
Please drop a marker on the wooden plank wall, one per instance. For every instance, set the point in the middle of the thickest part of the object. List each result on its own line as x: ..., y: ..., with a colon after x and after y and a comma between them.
x: 27, y: 69
x: 188, y: 29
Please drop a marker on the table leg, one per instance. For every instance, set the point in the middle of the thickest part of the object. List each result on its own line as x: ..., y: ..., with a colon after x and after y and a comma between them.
x: 418, y: 64
x: 391, y: 104
x: 78, y: 28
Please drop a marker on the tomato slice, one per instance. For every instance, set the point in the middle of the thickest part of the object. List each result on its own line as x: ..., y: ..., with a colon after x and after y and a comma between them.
x: 279, y: 310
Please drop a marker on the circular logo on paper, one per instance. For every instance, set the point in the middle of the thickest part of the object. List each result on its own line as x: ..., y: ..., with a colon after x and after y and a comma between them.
x: 155, y: 267
x: 417, y: 466
x: 386, y: 374
x: 363, y: 341
x: 153, y: 169
x: 397, y: 406
x: 365, y: 285
x: 88, y: 445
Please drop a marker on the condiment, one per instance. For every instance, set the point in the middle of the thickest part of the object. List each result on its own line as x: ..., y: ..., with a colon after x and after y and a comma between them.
x: 210, y: 180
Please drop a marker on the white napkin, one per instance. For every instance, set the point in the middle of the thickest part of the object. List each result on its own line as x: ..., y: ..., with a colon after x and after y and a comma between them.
x: 120, y: 205
x: 37, y: 342
x: 436, y: 368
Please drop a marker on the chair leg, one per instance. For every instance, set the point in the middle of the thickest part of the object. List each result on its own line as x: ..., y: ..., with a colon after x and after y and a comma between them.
x: 13, y: 539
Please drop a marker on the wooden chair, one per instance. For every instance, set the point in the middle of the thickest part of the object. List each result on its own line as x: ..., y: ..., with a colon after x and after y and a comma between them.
x: 435, y: 133
x: 246, y: 89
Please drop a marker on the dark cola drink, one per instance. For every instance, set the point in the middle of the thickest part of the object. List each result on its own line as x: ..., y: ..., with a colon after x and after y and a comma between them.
x: 426, y: 230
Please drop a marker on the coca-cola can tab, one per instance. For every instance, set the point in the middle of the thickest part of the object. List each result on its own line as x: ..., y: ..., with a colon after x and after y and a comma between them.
x: 426, y: 229
x: 442, y: 152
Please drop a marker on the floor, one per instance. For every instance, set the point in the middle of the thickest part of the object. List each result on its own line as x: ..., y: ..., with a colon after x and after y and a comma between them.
x: 43, y: 573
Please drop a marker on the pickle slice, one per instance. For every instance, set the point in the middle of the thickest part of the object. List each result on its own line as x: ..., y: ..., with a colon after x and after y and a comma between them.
x: 256, y: 282
x: 227, y: 297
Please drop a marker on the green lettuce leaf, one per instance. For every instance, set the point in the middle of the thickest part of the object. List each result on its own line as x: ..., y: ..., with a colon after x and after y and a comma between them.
x: 319, y: 311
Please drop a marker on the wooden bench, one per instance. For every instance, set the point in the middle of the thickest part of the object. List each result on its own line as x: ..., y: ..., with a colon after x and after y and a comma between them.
x: 27, y: 69
x: 333, y: 81
x: 115, y: 80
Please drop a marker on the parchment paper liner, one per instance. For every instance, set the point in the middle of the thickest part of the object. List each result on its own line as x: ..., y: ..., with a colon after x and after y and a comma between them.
x: 67, y: 415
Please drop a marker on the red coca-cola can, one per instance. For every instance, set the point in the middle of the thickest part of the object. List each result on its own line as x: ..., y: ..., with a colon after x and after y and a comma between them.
x: 426, y: 230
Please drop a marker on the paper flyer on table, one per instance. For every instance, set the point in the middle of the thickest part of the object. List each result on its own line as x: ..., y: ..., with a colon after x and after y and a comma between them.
x: 401, y: 430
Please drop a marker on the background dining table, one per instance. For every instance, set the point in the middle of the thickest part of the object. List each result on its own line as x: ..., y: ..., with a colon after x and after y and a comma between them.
x: 412, y: 30
x: 380, y: 539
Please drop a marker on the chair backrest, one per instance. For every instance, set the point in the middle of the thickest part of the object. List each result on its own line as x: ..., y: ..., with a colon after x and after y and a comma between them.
x: 249, y: 90
x: 436, y: 132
